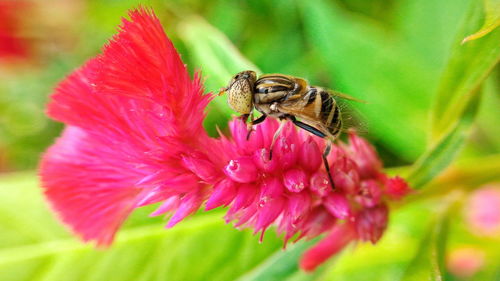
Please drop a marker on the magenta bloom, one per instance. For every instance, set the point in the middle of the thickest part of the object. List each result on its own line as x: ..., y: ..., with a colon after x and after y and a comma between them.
x: 135, y: 137
x: 131, y: 113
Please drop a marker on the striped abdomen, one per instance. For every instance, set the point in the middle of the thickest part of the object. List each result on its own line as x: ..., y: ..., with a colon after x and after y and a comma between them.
x: 320, y: 106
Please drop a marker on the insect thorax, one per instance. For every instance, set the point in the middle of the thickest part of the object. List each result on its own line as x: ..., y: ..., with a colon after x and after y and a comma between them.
x: 273, y: 88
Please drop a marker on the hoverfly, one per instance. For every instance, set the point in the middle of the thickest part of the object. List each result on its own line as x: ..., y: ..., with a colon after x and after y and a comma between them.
x: 285, y: 97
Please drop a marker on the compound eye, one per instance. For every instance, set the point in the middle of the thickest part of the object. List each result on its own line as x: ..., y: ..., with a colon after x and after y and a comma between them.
x: 237, y: 76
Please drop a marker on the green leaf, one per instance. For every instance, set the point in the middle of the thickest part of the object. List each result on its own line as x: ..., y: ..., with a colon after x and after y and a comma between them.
x: 488, y: 117
x: 282, y: 265
x: 387, y: 259
x: 429, y: 261
x: 468, y: 67
x: 442, y: 153
x: 492, y: 21
x: 368, y: 63
x: 467, y: 173
x: 34, y: 246
x: 429, y: 29
x: 456, y: 101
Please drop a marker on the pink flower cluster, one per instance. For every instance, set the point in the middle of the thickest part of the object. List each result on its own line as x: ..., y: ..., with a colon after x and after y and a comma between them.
x: 135, y: 137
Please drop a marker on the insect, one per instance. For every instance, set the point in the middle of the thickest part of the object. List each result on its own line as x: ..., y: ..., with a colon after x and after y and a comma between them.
x: 285, y: 97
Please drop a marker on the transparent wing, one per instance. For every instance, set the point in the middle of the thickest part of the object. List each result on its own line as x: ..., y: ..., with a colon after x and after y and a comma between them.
x: 352, y: 117
x: 344, y: 96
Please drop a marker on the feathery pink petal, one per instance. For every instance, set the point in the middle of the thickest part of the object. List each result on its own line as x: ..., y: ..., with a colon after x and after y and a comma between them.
x: 96, y: 204
x: 269, y: 211
x: 201, y: 167
x: 137, y: 111
x: 299, y: 205
x: 168, y: 205
x: 244, y: 197
x: 189, y: 204
x: 224, y: 192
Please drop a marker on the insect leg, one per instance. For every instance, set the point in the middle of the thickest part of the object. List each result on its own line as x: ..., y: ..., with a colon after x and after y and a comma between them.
x: 275, y: 137
x: 244, y: 117
x: 325, y: 162
x: 254, y: 122
x: 249, y: 125
x: 308, y: 128
x: 328, y: 147
x: 259, y: 120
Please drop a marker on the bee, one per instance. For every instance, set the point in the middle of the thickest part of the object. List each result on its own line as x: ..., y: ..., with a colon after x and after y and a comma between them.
x: 285, y: 97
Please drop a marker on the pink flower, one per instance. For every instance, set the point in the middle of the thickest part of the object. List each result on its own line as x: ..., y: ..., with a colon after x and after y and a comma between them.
x: 464, y: 262
x: 135, y: 137
x: 482, y: 211
x: 131, y: 113
x: 292, y: 190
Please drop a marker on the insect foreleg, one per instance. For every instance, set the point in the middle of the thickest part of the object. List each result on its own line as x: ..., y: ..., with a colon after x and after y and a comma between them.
x: 259, y: 120
x: 328, y: 147
x: 254, y: 122
x: 244, y: 117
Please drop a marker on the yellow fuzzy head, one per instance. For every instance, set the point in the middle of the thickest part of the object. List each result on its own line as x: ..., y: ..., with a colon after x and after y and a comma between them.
x: 240, y: 91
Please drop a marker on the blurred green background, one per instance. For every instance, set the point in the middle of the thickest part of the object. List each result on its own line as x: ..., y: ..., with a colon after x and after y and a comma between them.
x: 431, y: 103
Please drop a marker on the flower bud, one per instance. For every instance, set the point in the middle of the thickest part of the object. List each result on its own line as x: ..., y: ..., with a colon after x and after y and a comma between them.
x: 365, y: 157
x: 295, y: 180
x: 310, y: 156
x: 271, y: 188
x: 263, y: 161
x: 338, y: 205
x: 286, y: 152
x: 371, y: 223
x: 345, y: 183
x: 370, y: 193
x: 320, y: 184
x: 241, y: 170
